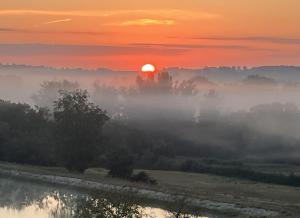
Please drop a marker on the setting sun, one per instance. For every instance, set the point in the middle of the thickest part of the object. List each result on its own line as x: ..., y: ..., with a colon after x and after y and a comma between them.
x: 148, y: 68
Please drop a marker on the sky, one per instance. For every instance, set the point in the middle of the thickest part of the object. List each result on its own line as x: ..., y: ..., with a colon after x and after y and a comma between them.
x: 125, y: 34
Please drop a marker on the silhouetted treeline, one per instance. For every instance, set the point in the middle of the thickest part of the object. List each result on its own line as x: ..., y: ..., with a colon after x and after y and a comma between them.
x: 26, y: 134
x: 242, y: 172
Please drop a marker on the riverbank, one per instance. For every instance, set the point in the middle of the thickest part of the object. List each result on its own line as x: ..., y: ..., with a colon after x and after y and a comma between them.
x: 228, y: 196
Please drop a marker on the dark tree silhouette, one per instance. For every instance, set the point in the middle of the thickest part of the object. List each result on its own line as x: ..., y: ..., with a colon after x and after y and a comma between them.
x: 24, y: 134
x: 78, y: 128
x: 162, y: 83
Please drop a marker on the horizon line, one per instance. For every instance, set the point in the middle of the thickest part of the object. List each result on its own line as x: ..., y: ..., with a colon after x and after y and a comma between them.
x: 132, y: 70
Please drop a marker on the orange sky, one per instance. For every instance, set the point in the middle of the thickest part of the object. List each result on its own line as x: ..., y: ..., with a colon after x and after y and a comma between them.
x: 124, y: 34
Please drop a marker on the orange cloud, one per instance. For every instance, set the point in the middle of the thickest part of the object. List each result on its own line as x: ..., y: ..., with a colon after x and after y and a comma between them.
x: 143, y: 22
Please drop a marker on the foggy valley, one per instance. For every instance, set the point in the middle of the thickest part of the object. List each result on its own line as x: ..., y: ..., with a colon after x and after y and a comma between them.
x: 149, y: 109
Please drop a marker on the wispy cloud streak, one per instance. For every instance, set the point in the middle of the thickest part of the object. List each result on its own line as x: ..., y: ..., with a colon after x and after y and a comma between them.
x: 83, y: 50
x: 183, y: 14
x: 7, y: 29
x: 144, y: 22
x: 58, y: 21
x: 192, y: 46
x: 271, y: 39
x: 205, y: 46
x: 36, y: 31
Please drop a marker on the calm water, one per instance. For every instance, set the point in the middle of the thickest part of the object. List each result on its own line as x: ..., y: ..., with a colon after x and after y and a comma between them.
x: 20, y: 199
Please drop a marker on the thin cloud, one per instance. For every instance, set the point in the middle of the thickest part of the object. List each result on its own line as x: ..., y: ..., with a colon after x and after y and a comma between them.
x: 169, y: 13
x: 271, y: 39
x: 29, y: 31
x: 144, y: 22
x: 58, y: 21
x: 83, y: 50
x: 199, y: 46
x: 42, y: 12
x: 193, y: 46
x: 82, y: 33
x: 7, y: 30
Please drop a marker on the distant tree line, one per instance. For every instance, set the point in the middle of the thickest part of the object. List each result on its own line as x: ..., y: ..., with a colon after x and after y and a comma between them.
x: 242, y: 173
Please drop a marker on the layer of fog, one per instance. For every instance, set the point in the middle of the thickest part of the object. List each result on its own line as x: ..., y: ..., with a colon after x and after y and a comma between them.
x: 237, y: 89
x: 253, y: 100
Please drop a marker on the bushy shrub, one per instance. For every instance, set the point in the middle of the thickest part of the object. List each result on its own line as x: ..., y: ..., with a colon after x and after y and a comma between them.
x: 143, y: 177
x: 120, y: 164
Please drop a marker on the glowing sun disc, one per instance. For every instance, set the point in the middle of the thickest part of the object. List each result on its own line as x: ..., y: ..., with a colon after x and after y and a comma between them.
x: 148, y: 68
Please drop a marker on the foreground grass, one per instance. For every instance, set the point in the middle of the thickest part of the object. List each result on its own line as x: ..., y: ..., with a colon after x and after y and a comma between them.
x: 283, y: 199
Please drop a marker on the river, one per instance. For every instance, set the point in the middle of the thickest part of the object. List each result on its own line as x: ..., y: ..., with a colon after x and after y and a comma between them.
x: 24, y: 199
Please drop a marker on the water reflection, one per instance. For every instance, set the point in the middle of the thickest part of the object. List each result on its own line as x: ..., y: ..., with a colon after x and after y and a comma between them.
x: 27, y: 200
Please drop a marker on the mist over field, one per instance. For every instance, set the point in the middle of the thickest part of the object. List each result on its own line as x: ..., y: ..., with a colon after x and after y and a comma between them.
x: 237, y: 87
x: 224, y: 112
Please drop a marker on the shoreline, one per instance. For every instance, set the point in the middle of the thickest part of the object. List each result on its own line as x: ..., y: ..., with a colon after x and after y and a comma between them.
x: 148, y: 194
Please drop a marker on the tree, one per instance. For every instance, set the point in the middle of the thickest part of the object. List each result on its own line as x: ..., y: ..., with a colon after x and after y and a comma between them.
x: 164, y: 83
x: 78, y: 129
x: 25, y: 134
x: 49, y: 92
x: 186, y: 88
x: 161, y: 84
x: 109, y: 97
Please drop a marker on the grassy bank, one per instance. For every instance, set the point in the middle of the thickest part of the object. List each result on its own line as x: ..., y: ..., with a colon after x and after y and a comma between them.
x: 246, y: 194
